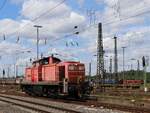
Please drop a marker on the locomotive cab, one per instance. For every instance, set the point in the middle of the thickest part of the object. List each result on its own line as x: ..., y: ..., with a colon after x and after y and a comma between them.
x: 74, y: 74
x: 73, y: 71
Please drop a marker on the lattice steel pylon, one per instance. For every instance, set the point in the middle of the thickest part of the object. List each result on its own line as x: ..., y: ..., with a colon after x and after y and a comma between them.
x: 115, y: 60
x: 100, y: 55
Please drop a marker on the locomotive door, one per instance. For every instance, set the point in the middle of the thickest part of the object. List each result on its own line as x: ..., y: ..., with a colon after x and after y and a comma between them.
x: 61, y: 73
x: 32, y: 75
x: 40, y: 73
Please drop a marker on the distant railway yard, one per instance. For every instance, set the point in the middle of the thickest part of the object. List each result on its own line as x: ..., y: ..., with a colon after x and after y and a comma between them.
x: 74, y: 56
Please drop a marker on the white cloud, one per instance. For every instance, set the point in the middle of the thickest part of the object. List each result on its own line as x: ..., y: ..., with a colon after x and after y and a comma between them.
x: 115, y: 21
x: 9, y: 26
x: 10, y: 48
x: 32, y: 9
x: 23, y: 61
x: 57, y: 23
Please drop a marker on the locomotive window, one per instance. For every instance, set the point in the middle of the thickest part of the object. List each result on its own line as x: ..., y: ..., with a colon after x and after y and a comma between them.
x: 71, y: 67
x: 45, y: 61
x: 81, y: 67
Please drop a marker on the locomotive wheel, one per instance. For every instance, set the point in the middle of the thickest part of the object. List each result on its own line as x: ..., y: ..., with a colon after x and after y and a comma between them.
x: 52, y: 91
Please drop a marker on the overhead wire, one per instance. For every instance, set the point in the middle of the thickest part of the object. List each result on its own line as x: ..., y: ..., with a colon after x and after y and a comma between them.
x: 112, y: 23
x: 126, y: 18
x: 3, y: 4
x: 36, y: 18
x: 6, y: 26
x: 84, y: 29
x: 116, y: 21
x: 48, y: 11
x: 105, y: 36
x: 91, y: 25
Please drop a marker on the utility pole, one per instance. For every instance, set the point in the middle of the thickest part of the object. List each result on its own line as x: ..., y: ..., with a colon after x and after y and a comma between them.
x: 37, y: 26
x: 105, y: 64
x: 89, y: 70
x: 138, y: 65
x: 115, y: 60
x: 138, y: 68
x: 145, y: 77
x: 3, y: 73
x: 131, y: 67
x: 110, y: 67
x: 8, y: 72
x: 16, y: 71
x: 100, y: 55
x: 123, y: 62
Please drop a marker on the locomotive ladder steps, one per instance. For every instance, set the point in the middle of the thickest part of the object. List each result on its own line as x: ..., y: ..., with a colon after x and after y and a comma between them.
x: 40, y: 107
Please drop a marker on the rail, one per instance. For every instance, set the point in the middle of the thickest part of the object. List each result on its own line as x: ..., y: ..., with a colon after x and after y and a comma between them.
x: 41, y: 107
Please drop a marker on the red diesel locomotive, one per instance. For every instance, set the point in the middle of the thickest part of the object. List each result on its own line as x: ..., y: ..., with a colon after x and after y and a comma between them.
x: 51, y: 77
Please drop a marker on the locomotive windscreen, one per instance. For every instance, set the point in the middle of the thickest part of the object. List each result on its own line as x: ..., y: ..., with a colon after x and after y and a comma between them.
x: 45, y: 61
x: 76, y: 68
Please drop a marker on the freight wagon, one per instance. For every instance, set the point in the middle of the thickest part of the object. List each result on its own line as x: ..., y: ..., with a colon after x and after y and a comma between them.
x: 131, y: 82
x: 122, y: 83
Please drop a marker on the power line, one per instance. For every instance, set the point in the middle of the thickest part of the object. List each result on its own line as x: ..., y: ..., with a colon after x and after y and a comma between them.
x: 127, y: 18
x: 84, y: 28
x: 49, y: 10
x: 115, y: 21
x: 67, y: 36
x: 46, y: 12
x: 53, y: 41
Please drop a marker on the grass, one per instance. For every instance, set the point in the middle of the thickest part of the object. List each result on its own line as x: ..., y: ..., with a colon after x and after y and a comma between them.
x: 132, y: 96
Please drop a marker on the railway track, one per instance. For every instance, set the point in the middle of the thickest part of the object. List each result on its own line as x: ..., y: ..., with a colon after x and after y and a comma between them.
x: 72, y: 109
x: 60, y: 106
x: 35, y: 106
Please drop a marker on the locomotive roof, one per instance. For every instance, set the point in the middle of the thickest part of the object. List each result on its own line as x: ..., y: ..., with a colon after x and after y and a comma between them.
x: 47, y: 58
x: 71, y: 62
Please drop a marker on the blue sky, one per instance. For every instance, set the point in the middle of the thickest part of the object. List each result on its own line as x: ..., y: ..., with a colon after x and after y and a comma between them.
x: 9, y: 10
x: 16, y: 20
